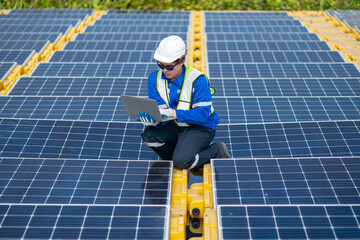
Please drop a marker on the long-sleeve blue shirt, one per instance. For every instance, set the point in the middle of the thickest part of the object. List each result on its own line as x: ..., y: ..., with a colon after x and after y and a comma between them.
x: 199, y: 115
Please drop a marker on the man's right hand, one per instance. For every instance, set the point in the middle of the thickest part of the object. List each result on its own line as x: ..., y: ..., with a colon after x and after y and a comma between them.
x: 147, y: 119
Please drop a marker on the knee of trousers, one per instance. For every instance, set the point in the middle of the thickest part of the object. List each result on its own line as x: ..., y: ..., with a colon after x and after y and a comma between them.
x: 183, y: 161
x: 150, y: 140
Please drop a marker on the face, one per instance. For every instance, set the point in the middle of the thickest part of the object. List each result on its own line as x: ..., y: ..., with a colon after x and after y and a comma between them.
x: 175, y: 73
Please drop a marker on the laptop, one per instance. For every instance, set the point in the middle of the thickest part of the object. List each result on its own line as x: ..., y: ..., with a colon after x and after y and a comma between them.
x: 135, y: 105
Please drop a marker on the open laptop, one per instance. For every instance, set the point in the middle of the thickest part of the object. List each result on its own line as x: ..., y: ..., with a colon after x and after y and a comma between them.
x: 135, y: 105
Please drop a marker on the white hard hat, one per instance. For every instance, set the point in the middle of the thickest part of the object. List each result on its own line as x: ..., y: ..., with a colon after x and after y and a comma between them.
x: 170, y: 49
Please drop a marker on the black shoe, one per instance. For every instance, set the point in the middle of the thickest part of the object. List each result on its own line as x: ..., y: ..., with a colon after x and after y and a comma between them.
x: 223, y: 150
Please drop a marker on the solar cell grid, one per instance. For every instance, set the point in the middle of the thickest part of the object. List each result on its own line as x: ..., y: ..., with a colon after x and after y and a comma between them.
x: 34, y: 28
x: 286, y: 181
x: 267, y: 45
x: 94, y: 69
x: 234, y: 56
x: 111, y: 45
x: 230, y: 110
x: 127, y: 36
x: 289, y: 222
x: 253, y: 22
x: 5, y: 69
x: 254, y: 29
x: 143, y: 22
x: 75, y: 181
x: 37, y: 46
x: 286, y: 86
x: 261, y: 37
x: 36, y: 21
x: 232, y: 15
x: 52, y: 37
x: 83, y: 222
x: 72, y: 139
x: 79, y: 86
x: 282, y: 70
x: 18, y: 56
x: 137, y: 29
x: 103, y: 56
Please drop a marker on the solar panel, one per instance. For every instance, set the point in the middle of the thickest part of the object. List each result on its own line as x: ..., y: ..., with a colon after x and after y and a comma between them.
x: 5, y: 69
x: 84, y: 221
x: 350, y: 17
x: 94, y: 69
x: 242, y: 15
x: 72, y: 139
x: 230, y: 110
x: 52, y: 37
x: 143, y: 22
x: 37, y: 46
x: 286, y: 181
x: 103, y: 56
x: 75, y: 181
x: 302, y: 139
x: 34, y: 28
x: 234, y: 56
x: 286, y: 86
x: 36, y: 21
x: 281, y: 70
x: 18, y: 56
x: 79, y: 86
x: 176, y: 29
x: 289, y: 222
x: 267, y: 45
x: 126, y: 36
x: 261, y: 37
x: 253, y: 22
x: 254, y: 29
x: 111, y: 45
x: 49, y: 12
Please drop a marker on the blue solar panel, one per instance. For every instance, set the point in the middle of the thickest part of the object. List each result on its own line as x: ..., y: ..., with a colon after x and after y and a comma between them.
x: 18, y: 56
x: 103, y: 56
x: 261, y: 37
x: 231, y: 56
x: 37, y: 46
x: 72, y: 139
x: 111, y: 45
x: 52, y: 37
x: 143, y: 22
x: 230, y: 110
x: 5, y: 69
x: 34, y: 28
x: 267, y: 45
x: 94, y: 69
x: 79, y: 86
x: 75, y: 181
x: 227, y: 28
x: 286, y: 181
x: 83, y: 222
x: 286, y: 86
x: 137, y: 29
x: 126, y: 36
x: 36, y: 21
x: 299, y: 70
x: 253, y: 22
x: 289, y: 222
x: 245, y: 15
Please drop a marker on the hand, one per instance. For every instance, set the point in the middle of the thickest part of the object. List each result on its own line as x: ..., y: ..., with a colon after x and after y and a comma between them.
x: 166, y: 112
x: 147, y: 119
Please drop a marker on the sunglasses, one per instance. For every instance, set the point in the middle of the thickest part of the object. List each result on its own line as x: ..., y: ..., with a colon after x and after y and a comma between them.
x: 167, y: 67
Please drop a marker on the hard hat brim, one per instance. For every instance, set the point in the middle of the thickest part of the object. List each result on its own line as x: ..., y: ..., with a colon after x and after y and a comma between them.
x: 164, y: 59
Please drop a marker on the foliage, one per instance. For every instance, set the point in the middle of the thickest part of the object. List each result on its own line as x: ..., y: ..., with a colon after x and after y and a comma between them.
x: 185, y: 4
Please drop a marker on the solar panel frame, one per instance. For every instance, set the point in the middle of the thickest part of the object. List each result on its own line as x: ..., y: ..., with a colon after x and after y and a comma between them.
x: 37, y: 46
x: 110, y: 45
x: 35, y: 29
x: 176, y: 29
x: 52, y: 37
x: 126, y: 36
x: 255, y: 29
x: 262, y: 36
x: 18, y: 56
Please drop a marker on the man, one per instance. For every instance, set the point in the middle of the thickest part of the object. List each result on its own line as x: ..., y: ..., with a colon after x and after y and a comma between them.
x: 184, y: 94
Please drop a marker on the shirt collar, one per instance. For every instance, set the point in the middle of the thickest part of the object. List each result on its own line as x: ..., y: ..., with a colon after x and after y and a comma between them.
x: 179, y: 80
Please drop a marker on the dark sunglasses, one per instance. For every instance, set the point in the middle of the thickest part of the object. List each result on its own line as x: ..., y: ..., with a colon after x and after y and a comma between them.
x: 167, y: 67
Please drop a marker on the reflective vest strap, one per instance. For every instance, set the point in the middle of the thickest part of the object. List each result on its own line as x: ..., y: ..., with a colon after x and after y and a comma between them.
x: 191, y: 75
x: 162, y: 88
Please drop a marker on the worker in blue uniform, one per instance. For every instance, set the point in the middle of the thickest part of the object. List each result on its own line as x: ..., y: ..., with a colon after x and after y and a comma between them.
x: 183, y: 93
